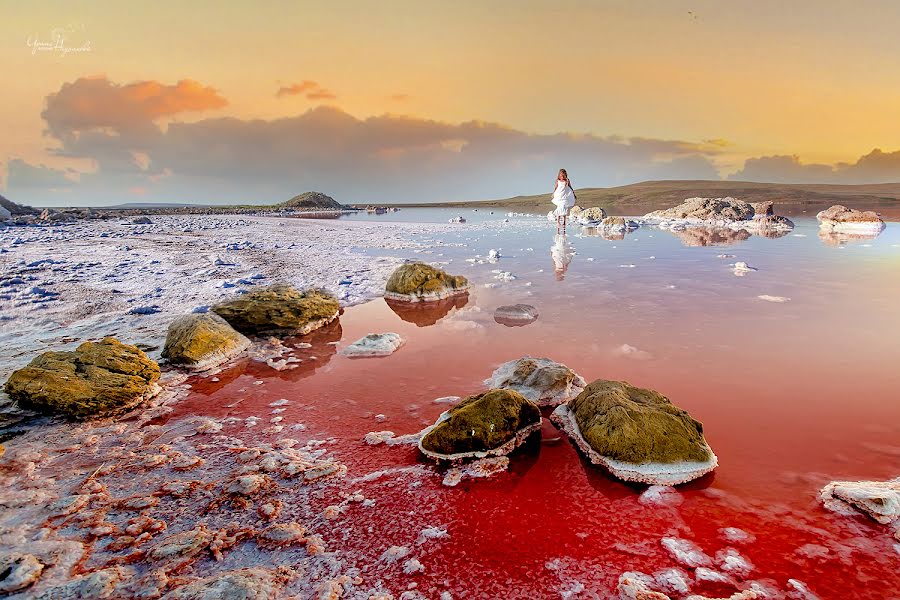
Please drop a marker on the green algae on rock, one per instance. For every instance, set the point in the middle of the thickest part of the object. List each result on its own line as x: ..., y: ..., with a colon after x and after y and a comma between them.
x: 97, y: 380
x: 279, y: 308
x: 202, y: 341
x: 417, y: 281
x: 490, y: 424
x: 638, y: 434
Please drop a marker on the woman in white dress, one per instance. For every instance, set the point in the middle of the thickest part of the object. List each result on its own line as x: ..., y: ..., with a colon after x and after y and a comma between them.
x: 563, y: 198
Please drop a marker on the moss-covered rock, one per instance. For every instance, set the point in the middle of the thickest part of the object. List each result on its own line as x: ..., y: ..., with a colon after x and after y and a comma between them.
x: 489, y: 424
x: 279, y: 308
x: 202, y: 341
x: 418, y: 281
x: 637, y: 433
x: 98, y: 379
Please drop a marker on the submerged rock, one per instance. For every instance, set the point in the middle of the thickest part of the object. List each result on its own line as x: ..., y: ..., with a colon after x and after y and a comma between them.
x: 417, y: 281
x: 841, y: 218
x: 201, y: 341
x: 878, y: 499
x: 374, y: 344
x: 706, y: 209
x: 279, y: 308
x: 594, y: 214
x: 544, y: 382
x: 515, y: 315
x: 97, y: 380
x: 638, y: 434
x: 490, y: 424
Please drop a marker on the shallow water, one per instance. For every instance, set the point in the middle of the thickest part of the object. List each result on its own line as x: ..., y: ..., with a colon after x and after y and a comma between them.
x: 791, y: 394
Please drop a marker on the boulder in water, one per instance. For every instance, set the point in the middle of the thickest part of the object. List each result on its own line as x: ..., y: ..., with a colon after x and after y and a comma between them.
x: 279, y: 308
x: 515, y: 315
x: 544, y: 382
x: 637, y: 434
x: 97, y: 380
x: 595, y: 214
x: 763, y: 209
x: 201, y: 341
x: 490, y: 424
x: 715, y: 210
x: 841, y: 218
x: 417, y: 281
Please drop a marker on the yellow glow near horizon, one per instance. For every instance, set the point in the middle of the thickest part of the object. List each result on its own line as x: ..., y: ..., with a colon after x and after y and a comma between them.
x: 817, y: 79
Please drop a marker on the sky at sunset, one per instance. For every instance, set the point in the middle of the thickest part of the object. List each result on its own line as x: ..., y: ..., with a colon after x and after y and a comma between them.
x: 209, y: 102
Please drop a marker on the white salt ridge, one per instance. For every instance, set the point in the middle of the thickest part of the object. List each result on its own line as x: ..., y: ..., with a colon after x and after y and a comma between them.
x: 660, y: 495
x: 686, y: 552
x: 674, y: 580
x: 374, y: 344
x: 769, y: 298
x: 735, y: 535
x: 742, y: 268
x: 878, y: 499
x: 478, y: 469
x: 731, y: 561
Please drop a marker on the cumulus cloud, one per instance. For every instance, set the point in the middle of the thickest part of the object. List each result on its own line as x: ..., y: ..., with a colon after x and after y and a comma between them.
x: 97, y: 104
x: 39, y: 177
x: 875, y: 167
x: 311, y: 89
x: 379, y: 158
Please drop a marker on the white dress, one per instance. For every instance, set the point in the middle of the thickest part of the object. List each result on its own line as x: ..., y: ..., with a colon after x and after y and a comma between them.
x: 563, y: 198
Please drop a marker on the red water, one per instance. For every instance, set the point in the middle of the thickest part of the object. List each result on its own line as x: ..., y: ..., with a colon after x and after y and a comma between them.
x: 791, y: 396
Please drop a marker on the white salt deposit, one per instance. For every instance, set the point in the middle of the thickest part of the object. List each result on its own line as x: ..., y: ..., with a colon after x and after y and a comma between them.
x: 686, y: 552
x: 374, y: 344
x: 769, y: 298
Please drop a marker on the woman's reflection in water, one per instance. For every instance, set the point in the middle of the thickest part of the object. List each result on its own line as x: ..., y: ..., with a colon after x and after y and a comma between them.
x: 562, y: 253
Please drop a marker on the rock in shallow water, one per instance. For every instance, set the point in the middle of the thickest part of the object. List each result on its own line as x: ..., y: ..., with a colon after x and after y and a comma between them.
x: 706, y: 209
x: 201, y: 341
x: 638, y: 434
x: 878, y: 499
x: 490, y: 424
x: 374, y: 344
x: 544, y: 382
x: 97, y: 380
x: 841, y: 218
x: 279, y: 308
x: 515, y: 315
x: 417, y: 281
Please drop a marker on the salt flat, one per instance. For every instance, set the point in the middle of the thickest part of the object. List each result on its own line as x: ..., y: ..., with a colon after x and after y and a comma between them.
x: 61, y: 285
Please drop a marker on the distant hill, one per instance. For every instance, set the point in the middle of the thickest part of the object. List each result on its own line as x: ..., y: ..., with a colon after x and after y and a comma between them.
x: 308, y: 200
x: 17, y: 209
x: 640, y: 198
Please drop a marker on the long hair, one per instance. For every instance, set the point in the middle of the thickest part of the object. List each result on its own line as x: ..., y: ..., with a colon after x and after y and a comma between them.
x: 563, y: 175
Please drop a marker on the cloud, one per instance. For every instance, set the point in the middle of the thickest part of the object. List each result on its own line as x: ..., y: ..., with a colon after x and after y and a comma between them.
x: 311, y: 89
x: 97, y: 104
x: 379, y: 158
x: 39, y: 177
x: 875, y: 167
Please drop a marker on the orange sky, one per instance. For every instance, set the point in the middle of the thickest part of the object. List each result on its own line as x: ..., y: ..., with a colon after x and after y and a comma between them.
x: 815, y: 79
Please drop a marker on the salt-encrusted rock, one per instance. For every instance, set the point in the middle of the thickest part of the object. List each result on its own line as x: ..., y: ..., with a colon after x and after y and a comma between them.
x: 490, y: 424
x: 878, y: 499
x: 544, y: 382
x: 374, y: 344
x: 618, y: 224
x: 637, y: 434
x: 255, y: 583
x: 574, y: 212
x: 706, y: 209
x: 200, y: 341
x: 771, y: 222
x: 515, y: 315
x: 763, y: 209
x: 18, y: 571
x: 416, y: 281
x: 841, y: 218
x: 142, y: 221
x: 279, y: 308
x: 97, y: 380
x: 595, y: 214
